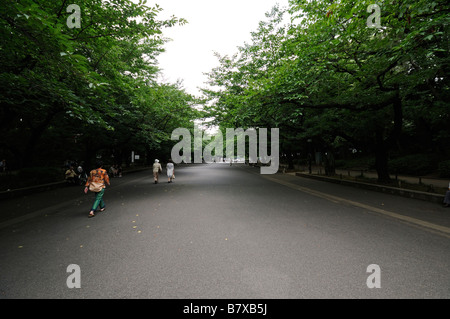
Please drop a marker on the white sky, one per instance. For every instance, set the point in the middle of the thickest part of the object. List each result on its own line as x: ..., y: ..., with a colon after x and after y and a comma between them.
x: 213, y: 26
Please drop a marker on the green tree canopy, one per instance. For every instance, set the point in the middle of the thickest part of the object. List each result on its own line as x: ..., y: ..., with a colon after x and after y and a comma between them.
x: 72, y: 91
x: 329, y: 77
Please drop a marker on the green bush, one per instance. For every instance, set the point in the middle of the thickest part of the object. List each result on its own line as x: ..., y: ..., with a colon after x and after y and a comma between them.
x: 41, y: 175
x: 356, y: 163
x: 415, y: 164
x: 30, y: 177
x: 444, y: 169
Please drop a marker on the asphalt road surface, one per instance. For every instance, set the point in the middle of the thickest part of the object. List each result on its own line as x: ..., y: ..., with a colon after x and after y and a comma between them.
x: 224, y: 232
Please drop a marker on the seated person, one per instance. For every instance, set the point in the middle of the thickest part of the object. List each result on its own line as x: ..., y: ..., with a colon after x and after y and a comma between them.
x: 71, y: 175
x: 113, y: 171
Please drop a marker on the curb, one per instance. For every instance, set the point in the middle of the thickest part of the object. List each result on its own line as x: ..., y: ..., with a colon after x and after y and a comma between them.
x: 46, y: 187
x: 30, y: 190
x: 430, y: 197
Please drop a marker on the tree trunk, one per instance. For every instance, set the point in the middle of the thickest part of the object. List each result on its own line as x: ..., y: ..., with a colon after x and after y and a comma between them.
x: 382, y: 146
x: 330, y: 167
x: 381, y: 159
x: 290, y: 161
x: 33, y: 140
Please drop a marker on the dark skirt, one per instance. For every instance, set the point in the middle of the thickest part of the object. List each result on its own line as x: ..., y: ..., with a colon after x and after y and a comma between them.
x: 447, y: 198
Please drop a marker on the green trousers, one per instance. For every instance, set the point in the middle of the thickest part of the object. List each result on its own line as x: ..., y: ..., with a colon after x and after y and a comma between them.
x: 99, y: 200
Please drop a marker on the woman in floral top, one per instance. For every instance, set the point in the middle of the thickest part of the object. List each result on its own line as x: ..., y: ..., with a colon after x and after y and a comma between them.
x: 98, y: 178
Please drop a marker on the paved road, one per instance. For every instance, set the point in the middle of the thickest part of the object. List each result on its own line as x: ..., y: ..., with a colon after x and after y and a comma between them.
x: 224, y: 232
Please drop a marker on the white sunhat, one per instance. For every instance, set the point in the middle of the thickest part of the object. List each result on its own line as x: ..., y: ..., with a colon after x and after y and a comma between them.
x: 156, y: 161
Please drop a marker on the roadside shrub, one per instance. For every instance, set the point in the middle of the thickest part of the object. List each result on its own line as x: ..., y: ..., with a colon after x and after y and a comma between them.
x: 415, y: 164
x: 355, y: 163
x: 30, y: 177
x: 40, y: 175
x: 444, y: 169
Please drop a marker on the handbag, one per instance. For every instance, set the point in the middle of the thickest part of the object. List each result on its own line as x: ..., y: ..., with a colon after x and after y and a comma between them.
x: 95, y: 187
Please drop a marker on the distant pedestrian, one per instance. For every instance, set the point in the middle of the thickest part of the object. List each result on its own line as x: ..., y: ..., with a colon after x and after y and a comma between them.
x: 170, y: 171
x: 98, y: 178
x: 156, y: 170
x: 3, y: 166
x: 447, y: 197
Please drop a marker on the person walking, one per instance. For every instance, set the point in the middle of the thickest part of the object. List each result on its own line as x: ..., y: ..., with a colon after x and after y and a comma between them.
x: 156, y: 169
x: 96, y: 183
x: 170, y: 170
